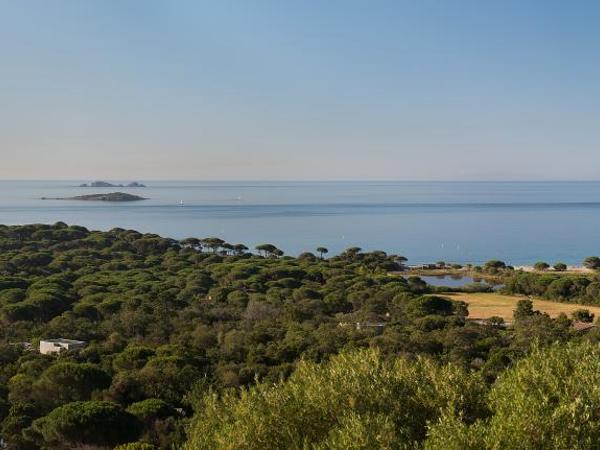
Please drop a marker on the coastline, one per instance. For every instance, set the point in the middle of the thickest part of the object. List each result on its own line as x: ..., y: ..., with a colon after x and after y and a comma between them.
x: 571, y: 269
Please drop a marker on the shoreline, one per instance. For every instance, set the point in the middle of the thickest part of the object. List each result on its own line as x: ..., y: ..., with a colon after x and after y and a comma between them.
x: 570, y: 269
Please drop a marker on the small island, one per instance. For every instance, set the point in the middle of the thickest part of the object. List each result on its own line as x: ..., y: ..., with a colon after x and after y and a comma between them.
x: 111, y: 197
x: 97, y: 184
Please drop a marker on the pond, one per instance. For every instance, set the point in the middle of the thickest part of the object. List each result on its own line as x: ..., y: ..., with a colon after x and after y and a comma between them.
x: 453, y: 281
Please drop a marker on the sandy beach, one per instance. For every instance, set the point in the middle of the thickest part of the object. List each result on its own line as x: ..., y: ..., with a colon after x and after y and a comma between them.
x: 570, y: 269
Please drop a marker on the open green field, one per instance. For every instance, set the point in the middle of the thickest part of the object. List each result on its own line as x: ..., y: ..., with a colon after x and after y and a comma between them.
x: 485, y: 305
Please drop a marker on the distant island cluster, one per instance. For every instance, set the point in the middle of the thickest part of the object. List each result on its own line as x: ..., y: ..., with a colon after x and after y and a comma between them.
x: 97, y: 184
x: 110, y: 197
x: 105, y: 197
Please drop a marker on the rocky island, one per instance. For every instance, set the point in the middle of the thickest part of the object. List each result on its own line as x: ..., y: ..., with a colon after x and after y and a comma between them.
x: 111, y: 197
x: 96, y: 184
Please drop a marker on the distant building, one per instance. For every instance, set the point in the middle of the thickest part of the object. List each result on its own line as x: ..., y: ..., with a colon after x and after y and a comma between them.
x: 48, y: 346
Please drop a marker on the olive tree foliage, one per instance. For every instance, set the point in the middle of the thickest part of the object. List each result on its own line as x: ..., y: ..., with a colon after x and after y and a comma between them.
x: 550, y: 399
x: 356, y: 400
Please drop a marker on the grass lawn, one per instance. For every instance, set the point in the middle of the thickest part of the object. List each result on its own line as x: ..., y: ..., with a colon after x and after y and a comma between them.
x: 485, y: 305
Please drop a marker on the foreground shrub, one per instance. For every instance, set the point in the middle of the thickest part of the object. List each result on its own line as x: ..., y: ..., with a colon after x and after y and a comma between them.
x: 550, y: 399
x: 356, y: 400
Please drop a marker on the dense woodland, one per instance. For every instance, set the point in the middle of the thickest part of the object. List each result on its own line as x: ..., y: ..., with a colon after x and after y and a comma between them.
x: 202, y: 344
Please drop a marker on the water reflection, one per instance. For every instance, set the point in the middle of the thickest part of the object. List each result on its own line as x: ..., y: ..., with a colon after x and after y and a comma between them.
x: 453, y: 280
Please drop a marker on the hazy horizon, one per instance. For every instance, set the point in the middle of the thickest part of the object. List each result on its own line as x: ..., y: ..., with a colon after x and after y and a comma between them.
x: 423, y: 91
x: 301, y: 180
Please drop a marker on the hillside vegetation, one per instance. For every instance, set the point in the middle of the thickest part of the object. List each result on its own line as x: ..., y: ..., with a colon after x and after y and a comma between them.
x: 549, y: 400
x: 177, y: 332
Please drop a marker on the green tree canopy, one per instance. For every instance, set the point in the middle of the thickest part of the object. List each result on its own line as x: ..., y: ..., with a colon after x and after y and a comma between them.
x: 560, y: 267
x: 151, y: 409
x: 548, y: 400
x: 592, y: 262
x: 68, y: 381
x: 524, y: 309
x: 91, y: 423
x: 322, y: 251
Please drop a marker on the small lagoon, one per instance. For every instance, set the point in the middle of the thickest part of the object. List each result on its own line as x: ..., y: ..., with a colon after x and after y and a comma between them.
x: 452, y: 281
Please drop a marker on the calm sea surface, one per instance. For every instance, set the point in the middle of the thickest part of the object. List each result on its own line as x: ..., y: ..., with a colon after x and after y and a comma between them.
x: 520, y: 222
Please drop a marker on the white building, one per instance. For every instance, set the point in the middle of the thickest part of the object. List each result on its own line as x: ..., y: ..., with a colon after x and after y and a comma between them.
x: 48, y: 346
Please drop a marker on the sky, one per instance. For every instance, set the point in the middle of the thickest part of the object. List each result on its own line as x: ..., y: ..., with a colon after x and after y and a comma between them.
x: 300, y: 90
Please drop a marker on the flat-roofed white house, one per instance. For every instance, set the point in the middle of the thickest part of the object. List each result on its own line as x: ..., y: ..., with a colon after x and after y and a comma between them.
x: 48, y: 346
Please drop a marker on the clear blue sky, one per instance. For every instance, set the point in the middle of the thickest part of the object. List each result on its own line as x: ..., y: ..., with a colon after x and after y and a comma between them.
x: 300, y: 89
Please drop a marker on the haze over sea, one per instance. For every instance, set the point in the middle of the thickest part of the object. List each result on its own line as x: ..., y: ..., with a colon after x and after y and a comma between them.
x: 519, y: 222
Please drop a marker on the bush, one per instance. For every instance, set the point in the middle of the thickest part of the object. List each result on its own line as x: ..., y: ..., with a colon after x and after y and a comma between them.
x: 356, y: 400
x: 567, y: 287
x: 493, y: 266
x: 583, y: 315
x: 550, y: 399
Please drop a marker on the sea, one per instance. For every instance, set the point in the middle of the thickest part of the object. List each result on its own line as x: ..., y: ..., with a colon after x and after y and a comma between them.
x: 462, y: 222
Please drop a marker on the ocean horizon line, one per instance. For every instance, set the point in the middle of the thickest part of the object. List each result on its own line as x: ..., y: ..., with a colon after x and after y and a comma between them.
x: 291, y: 180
